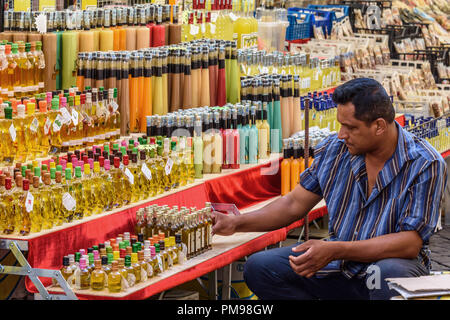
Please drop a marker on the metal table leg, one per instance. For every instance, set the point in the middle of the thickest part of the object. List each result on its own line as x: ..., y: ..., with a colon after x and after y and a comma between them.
x: 226, y: 283
x: 212, y: 284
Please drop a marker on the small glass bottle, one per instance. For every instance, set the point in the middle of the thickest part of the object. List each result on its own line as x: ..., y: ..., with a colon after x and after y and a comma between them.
x: 98, y: 277
x: 181, y: 250
x: 136, y: 266
x: 114, y: 278
x: 83, y: 278
x: 131, y: 275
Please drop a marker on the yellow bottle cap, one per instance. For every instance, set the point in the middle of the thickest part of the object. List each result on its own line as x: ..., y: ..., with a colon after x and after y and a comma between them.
x: 96, y: 167
x: 31, y: 107
x: 116, y: 255
x: 166, y: 242
x: 52, y: 165
x: 69, y: 165
x: 35, y: 164
x: 172, y: 241
x: 77, y: 100
x: 87, y: 168
x: 134, y: 257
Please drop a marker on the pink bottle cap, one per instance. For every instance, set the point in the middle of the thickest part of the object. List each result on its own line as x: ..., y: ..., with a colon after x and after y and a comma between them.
x: 63, y: 163
x: 82, y: 263
x: 107, y: 165
x: 124, y: 143
x: 96, y: 255
x: 91, y: 163
x: 80, y: 164
x: 83, y: 252
x: 136, y: 143
x: 153, y: 250
x: 63, y: 101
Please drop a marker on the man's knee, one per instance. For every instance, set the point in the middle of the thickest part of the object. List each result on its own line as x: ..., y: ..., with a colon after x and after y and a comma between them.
x: 395, y: 267
x: 254, y: 265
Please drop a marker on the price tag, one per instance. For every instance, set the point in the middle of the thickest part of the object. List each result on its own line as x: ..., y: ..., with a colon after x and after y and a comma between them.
x: 75, y: 117
x: 34, y: 125
x: 213, y: 28
x: 29, y: 201
x: 12, y: 132
x: 129, y: 175
x: 66, y: 116
x: 161, y: 267
x: 121, y: 166
x: 233, y: 16
x: 194, y: 29
x: 146, y: 171
x: 214, y: 16
x: 68, y: 201
x: 47, y: 125
x: 203, y: 28
x: 57, y: 124
x: 115, y: 106
x: 182, y: 143
x: 168, y: 167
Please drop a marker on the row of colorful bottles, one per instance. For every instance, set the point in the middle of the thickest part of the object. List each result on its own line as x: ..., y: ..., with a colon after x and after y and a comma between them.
x: 120, y: 263
x: 57, y: 122
x: 89, y: 183
x: 21, y: 69
x: 435, y: 130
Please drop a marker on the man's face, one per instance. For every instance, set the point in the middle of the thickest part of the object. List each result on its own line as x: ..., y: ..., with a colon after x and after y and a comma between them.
x: 358, y: 136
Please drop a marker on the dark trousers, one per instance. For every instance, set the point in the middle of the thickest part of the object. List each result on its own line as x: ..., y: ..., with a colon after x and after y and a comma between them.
x: 269, y: 275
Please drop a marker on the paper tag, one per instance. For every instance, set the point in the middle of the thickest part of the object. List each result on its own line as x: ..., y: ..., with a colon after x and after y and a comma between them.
x: 41, y: 23
x: 47, y: 125
x: 34, y: 125
x: 203, y: 28
x: 57, y: 124
x: 214, y: 16
x: 115, y: 106
x: 68, y: 201
x: 129, y: 175
x: 67, y: 118
x: 194, y: 30
x: 29, y: 201
x: 75, y: 117
x: 161, y: 266
x: 146, y: 171
x: 170, y: 261
x: 213, y: 28
x: 121, y: 166
x: 233, y: 16
x: 12, y: 132
x: 150, y: 270
x: 168, y: 167
x: 144, y: 276
x: 182, y: 143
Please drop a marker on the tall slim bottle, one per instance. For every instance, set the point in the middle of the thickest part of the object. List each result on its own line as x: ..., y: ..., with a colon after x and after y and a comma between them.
x: 285, y: 169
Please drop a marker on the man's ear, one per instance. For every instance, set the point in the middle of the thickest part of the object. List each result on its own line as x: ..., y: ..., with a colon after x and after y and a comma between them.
x: 380, y: 126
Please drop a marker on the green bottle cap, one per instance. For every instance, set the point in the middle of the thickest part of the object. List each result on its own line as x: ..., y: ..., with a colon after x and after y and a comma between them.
x: 131, y: 142
x: 91, y: 258
x: 37, y: 171
x: 55, y: 103
x: 24, y: 168
x: 127, y: 261
x: 109, y: 249
x: 59, y: 167
x: 123, y: 150
x: 127, y: 243
x: 135, y: 247
x: 77, y: 256
x: 135, y: 150
x: 68, y: 174
x: 95, y: 248
x: 106, y: 147
x: 78, y: 172
x: 44, y: 168
x: 157, y: 247
x: 8, y: 113
x: 122, y: 245
x: 110, y: 257
x: 53, y: 173
x: 101, y: 89
x: 30, y: 166
x: 115, y: 146
x: 115, y: 92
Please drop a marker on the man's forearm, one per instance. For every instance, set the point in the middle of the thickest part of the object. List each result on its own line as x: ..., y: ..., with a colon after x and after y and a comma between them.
x: 405, y: 244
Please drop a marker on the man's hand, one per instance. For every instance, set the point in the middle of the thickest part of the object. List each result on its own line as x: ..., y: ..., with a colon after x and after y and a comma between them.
x: 317, y: 255
x: 223, y: 224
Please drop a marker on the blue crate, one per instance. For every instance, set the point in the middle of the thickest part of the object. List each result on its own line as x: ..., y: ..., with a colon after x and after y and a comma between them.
x: 325, y: 21
x: 298, y: 30
x: 332, y: 8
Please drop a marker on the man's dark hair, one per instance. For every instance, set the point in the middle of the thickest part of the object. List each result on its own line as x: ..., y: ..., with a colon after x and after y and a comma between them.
x: 369, y: 98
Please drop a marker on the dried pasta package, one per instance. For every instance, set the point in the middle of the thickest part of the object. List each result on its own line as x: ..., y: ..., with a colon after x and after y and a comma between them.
x: 387, y: 86
x: 335, y: 32
x: 396, y: 16
x: 426, y: 36
x: 436, y: 109
x: 386, y: 55
x: 318, y: 33
x: 371, y: 55
x: 378, y: 55
x: 359, y: 20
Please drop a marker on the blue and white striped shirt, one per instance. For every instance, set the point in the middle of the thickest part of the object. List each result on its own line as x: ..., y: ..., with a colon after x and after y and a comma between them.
x: 406, y: 194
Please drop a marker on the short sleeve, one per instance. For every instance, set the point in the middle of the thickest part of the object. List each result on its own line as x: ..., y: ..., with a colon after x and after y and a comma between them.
x: 309, y: 178
x: 421, y: 210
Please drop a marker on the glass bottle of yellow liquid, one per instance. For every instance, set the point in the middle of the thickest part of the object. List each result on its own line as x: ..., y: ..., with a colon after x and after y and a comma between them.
x: 114, y: 278
x: 4, y: 79
x: 20, y: 134
x: 66, y: 270
x: 9, y: 136
x: 98, y: 276
x: 154, y: 262
x: 19, y: 61
x: 39, y: 67
x: 8, y: 201
x: 83, y: 278
x: 33, y: 205
x: 32, y: 87
x: 136, y: 266
x: 131, y: 274
x: 143, y: 265
x: 159, y: 258
x: 33, y: 130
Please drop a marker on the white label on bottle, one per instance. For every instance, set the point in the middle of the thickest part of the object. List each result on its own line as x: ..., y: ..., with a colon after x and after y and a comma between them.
x: 169, y: 260
x: 67, y: 118
x: 41, y: 84
x: 160, y: 263
x: 233, y: 17
x: 68, y: 201
x: 194, y: 30
x: 74, y: 117
x: 12, y: 132
x: 150, y: 270
x: 34, y: 125
x: 129, y: 175
x: 47, y: 125
x: 182, y: 143
x: 121, y: 166
x: 17, y: 89
x: 198, y: 239
x: 213, y: 28
x: 203, y: 28
x: 144, y: 276
x: 146, y: 171
x: 115, y: 106
x: 131, y: 279
x: 184, y: 250
x: 214, y: 17
x: 57, y: 124
x: 188, y: 247
x: 5, y: 91
x: 209, y: 234
x: 29, y: 201
x: 168, y: 167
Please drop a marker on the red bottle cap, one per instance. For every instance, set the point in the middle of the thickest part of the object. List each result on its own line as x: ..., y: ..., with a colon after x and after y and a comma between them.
x: 8, y: 183
x: 123, y: 253
x: 26, y: 184
x: 101, y: 161
x: 116, y: 162
x: 125, y: 160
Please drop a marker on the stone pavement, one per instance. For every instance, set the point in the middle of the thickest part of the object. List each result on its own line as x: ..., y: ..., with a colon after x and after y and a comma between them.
x: 440, y: 249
